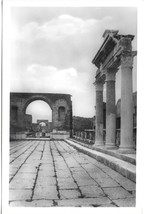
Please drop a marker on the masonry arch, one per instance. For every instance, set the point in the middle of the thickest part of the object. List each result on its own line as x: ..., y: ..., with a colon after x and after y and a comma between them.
x: 40, y: 110
x: 60, y: 104
x: 35, y: 98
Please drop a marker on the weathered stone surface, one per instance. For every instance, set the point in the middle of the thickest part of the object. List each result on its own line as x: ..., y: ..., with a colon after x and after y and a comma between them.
x: 28, y: 168
x: 45, y: 181
x: 67, y: 185
x: 49, y: 192
x: 21, y: 183
x: 20, y: 194
x: 35, y: 203
x: 108, y: 205
x: 25, y: 176
x: 63, y: 174
x: 108, y: 182
x: 84, y: 202
x: 65, y: 180
x: 92, y: 191
x: 68, y: 194
x: 13, y: 170
x: 83, y: 188
x: 85, y: 182
x: 127, y: 202
x: 123, y: 181
x: 46, y: 173
x: 123, y: 167
x: 117, y: 193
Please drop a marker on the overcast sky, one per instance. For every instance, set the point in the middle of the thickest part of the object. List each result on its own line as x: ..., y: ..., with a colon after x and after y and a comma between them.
x: 52, y: 50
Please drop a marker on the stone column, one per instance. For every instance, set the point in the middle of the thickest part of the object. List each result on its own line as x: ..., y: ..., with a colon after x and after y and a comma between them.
x: 99, y: 114
x: 85, y: 135
x: 110, y: 109
x: 126, y: 144
x: 90, y: 136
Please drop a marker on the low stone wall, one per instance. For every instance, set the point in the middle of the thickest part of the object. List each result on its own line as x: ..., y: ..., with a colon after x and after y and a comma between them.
x: 59, y: 135
x: 18, y: 136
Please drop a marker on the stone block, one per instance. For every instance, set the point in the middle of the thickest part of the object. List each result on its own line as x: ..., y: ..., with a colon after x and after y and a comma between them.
x: 29, y: 168
x: 85, y: 182
x: 127, y: 202
x: 45, y: 181
x: 117, y: 193
x: 68, y: 194
x: 21, y: 194
x: 49, y: 192
x: 35, y: 203
x: 67, y: 185
x: 108, y: 182
x: 83, y: 202
x: 91, y: 191
x: 21, y: 184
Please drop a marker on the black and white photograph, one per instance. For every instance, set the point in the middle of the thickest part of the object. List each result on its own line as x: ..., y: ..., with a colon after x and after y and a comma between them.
x: 72, y: 105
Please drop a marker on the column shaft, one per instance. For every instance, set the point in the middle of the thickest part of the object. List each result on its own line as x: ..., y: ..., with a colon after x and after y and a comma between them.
x: 99, y: 115
x: 126, y: 104
x: 110, y: 109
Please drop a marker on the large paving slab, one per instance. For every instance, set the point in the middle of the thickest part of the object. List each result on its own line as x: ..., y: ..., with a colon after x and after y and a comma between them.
x: 124, y: 167
x: 52, y: 173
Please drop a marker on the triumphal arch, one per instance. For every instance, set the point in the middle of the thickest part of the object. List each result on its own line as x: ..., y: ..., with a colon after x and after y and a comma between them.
x: 115, y: 52
x: 60, y: 104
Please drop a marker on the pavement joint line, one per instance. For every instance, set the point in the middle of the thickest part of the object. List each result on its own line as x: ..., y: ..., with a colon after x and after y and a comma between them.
x: 33, y: 189
x: 93, y: 178
x: 21, y: 153
x: 13, y: 146
x: 60, y: 149
x: 82, y: 196
x: 23, y: 162
x: 55, y: 203
x: 108, y: 160
x: 112, y: 178
x: 105, y: 151
x: 57, y: 187
x: 19, y: 147
x: 16, y: 146
x: 66, y: 145
x: 43, y: 151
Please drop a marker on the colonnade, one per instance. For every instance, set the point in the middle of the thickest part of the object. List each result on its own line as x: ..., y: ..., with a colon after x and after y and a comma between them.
x: 120, y: 57
x: 86, y: 135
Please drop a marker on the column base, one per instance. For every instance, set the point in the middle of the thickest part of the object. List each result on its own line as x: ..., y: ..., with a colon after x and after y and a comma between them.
x: 126, y: 150
x: 98, y: 144
x: 110, y: 147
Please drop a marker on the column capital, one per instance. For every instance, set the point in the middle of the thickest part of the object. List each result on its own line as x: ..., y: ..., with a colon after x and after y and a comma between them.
x: 98, y: 85
x: 110, y: 74
x: 127, y: 59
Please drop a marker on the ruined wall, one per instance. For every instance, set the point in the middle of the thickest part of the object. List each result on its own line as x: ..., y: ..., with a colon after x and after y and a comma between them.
x: 20, y: 101
x: 28, y: 122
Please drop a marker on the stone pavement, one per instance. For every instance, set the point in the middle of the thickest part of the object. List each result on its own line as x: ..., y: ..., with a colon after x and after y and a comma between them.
x: 52, y: 173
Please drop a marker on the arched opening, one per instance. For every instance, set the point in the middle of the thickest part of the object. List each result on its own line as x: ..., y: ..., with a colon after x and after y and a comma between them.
x: 41, y: 118
x: 42, y: 124
x: 39, y: 110
x: 43, y: 128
